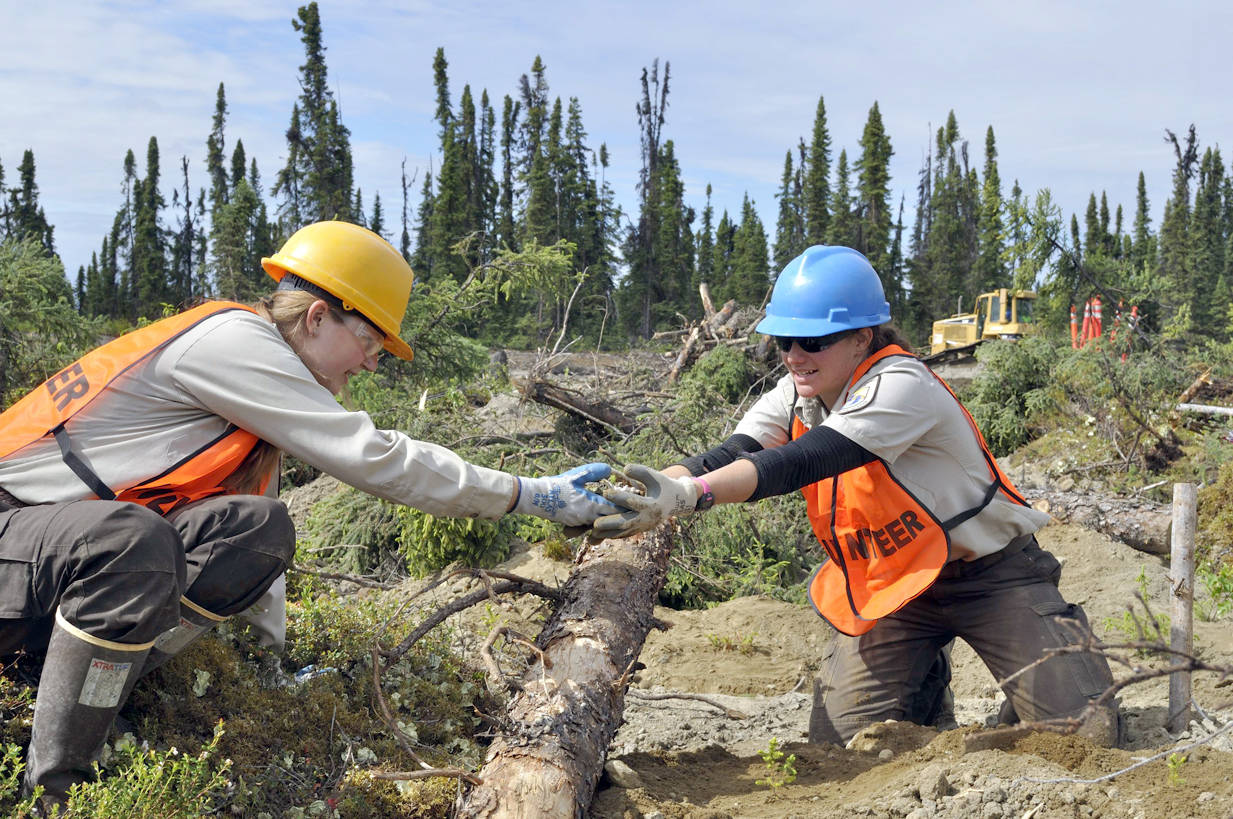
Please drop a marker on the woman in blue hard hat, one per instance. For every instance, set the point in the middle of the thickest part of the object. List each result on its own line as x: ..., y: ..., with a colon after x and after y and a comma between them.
x: 132, y: 508
x: 926, y: 538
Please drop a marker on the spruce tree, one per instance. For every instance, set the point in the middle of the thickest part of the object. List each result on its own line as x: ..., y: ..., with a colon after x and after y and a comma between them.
x: 27, y: 219
x: 990, y: 269
x: 404, y: 241
x: 817, y: 190
x: 1207, y: 242
x: 421, y: 260
x: 750, y: 273
x: 1106, y: 236
x: 505, y: 208
x: 1093, y: 239
x: 182, y: 274
x: 790, y: 226
x: 220, y: 186
x: 1142, y: 249
x: 721, y: 264
x: 149, y: 272
x: 645, y: 291
x: 376, y: 222
x: 1175, y: 262
x: 706, y: 244
x: 873, y: 229
x: 843, y: 228
x: 316, y: 182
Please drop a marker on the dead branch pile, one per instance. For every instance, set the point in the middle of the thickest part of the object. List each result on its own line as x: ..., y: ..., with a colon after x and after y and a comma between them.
x: 728, y: 325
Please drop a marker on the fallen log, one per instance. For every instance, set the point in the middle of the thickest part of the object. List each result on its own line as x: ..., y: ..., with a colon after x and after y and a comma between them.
x: 1142, y: 525
x: 683, y: 357
x: 598, y: 412
x: 547, y: 760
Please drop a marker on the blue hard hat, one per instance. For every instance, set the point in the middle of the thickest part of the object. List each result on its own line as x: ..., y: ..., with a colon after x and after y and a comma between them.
x: 825, y: 290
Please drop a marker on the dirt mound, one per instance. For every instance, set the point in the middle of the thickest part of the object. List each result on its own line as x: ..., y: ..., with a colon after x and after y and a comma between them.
x: 687, y: 758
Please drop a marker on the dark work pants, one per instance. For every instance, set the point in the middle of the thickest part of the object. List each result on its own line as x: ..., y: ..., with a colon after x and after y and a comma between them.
x: 117, y: 570
x: 1007, y: 607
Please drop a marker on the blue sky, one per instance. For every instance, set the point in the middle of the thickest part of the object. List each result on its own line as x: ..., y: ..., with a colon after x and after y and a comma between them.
x: 1078, y: 94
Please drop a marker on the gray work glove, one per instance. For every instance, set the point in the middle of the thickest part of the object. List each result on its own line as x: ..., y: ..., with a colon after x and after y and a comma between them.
x: 564, y: 498
x: 664, y: 498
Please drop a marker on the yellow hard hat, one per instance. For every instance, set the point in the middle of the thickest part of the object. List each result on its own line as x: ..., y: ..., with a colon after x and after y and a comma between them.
x: 357, y: 267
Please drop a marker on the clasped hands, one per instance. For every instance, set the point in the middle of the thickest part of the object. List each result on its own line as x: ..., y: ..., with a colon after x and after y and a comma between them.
x: 622, y: 513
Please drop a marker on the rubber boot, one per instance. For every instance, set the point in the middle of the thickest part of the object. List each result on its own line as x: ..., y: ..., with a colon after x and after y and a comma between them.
x: 85, y: 680
x: 194, y: 622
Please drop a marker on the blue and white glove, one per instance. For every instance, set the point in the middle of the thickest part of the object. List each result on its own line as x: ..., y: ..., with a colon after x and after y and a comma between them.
x: 564, y: 498
x: 664, y: 498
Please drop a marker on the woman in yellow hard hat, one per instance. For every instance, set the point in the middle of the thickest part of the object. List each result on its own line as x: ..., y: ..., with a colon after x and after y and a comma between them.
x: 134, y: 511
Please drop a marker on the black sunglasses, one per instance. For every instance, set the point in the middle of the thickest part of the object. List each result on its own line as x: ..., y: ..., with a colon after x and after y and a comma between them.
x: 811, y: 344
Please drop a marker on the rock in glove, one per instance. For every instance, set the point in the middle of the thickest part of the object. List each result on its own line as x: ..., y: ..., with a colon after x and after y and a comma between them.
x: 564, y: 498
x: 664, y: 498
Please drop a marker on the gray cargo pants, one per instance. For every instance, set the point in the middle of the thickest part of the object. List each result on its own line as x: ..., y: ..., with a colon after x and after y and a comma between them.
x: 117, y: 570
x: 1007, y: 607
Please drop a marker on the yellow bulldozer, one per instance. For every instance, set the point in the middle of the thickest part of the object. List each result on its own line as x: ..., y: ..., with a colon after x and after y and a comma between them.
x: 1002, y: 313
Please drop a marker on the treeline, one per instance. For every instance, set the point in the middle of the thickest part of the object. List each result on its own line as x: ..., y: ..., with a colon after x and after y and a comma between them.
x: 524, y: 172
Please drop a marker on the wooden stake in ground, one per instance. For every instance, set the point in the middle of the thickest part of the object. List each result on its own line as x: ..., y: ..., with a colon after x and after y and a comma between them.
x: 1181, y: 577
x: 548, y: 757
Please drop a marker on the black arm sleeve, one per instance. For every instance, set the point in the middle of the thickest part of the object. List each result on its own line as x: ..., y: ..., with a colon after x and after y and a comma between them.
x: 819, y: 453
x: 722, y: 455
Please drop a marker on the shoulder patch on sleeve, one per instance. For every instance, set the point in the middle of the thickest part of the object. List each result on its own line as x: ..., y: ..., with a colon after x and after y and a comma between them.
x: 861, y: 396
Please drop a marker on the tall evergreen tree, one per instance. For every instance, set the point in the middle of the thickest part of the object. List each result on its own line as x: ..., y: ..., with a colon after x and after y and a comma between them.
x: 817, y: 190
x: 1175, y: 262
x: 318, y: 175
x: 404, y: 241
x: 843, y: 229
x: 376, y: 222
x: 790, y: 226
x: 706, y: 244
x: 649, y: 286
x: 749, y: 278
x: 873, y: 228
x: 1207, y: 246
x: 26, y: 216
x: 505, y: 206
x: 990, y: 269
x: 149, y: 272
x: 220, y: 185
x: 725, y: 247
x: 182, y: 274
x: 1093, y: 238
x: 1142, y: 247
x: 536, y: 180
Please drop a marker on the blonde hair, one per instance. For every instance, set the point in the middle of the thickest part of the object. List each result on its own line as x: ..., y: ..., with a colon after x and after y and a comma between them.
x: 285, y: 309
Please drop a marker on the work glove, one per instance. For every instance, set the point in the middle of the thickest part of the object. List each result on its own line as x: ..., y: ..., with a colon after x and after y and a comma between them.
x: 664, y: 497
x: 564, y: 498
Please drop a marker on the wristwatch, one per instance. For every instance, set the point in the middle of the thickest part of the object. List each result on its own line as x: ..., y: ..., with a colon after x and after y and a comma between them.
x: 706, y: 499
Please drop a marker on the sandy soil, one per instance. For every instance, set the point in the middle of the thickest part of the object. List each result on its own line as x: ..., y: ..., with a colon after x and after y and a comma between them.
x: 685, y: 758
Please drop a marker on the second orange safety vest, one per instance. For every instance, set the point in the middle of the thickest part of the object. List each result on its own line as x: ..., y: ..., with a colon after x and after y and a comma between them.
x: 48, y: 410
x: 884, y: 546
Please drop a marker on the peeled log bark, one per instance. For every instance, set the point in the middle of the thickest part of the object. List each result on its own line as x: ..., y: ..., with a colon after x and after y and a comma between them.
x: 1142, y: 525
x: 548, y: 760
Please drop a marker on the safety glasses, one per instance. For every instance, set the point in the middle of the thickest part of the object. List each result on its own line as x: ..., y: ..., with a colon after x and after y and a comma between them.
x: 811, y: 344
x: 372, y: 343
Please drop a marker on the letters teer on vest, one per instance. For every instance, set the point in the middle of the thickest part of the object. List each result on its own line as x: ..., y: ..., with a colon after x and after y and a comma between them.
x: 889, y: 539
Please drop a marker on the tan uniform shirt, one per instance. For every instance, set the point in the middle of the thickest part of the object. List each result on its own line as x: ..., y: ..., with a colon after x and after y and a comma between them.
x: 235, y: 368
x: 902, y: 414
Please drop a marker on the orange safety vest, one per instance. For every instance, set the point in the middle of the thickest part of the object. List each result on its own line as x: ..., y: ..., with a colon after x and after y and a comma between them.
x: 885, y: 546
x: 48, y: 411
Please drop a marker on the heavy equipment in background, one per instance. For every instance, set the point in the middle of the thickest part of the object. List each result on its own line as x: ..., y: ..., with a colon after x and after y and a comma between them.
x: 1002, y: 313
